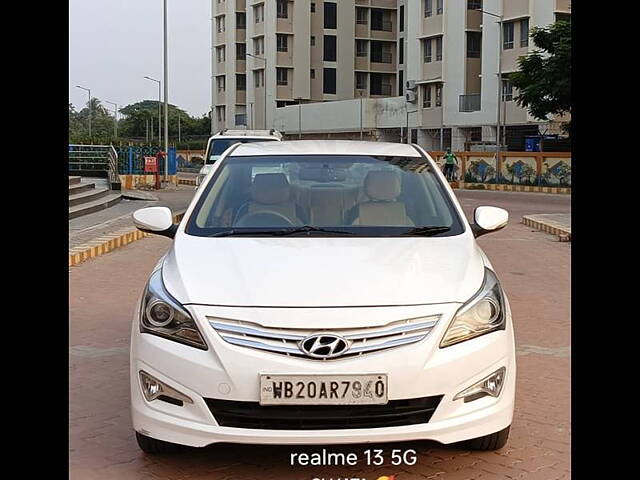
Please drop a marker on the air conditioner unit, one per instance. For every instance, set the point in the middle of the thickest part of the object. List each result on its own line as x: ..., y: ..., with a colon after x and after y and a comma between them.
x: 411, y: 84
x: 411, y: 97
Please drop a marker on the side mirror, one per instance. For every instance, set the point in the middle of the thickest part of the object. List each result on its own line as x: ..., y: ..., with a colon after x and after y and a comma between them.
x: 156, y: 220
x: 488, y: 219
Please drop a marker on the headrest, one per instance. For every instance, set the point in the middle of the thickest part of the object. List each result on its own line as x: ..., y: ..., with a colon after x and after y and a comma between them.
x: 270, y: 188
x: 382, y: 185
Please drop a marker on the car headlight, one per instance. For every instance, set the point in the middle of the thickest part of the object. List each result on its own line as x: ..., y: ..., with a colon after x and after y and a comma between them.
x: 162, y: 315
x: 483, y: 313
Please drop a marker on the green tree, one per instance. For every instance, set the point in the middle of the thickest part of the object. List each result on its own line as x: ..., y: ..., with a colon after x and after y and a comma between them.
x: 544, y: 76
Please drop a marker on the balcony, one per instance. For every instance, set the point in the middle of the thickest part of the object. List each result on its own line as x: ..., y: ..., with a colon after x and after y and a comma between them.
x: 382, y: 25
x: 470, y: 103
x: 381, y: 57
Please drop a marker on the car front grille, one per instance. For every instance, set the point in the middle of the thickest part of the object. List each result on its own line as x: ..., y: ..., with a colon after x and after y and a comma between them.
x: 361, y: 340
x: 395, y: 413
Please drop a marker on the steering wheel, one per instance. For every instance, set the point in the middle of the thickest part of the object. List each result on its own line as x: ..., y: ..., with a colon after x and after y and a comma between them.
x: 264, y: 219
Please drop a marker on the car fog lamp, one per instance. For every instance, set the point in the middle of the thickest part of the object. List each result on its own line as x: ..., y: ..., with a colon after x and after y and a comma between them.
x: 154, y: 389
x: 488, y: 386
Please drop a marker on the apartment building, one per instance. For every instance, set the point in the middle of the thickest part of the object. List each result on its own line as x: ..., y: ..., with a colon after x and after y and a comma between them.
x: 268, y: 55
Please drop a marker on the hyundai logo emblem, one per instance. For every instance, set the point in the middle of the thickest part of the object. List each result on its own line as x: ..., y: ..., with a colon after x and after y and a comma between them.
x: 324, y: 345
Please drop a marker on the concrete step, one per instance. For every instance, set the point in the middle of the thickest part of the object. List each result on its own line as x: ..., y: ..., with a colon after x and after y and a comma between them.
x: 94, y: 206
x: 73, y: 180
x: 87, y: 196
x: 80, y: 187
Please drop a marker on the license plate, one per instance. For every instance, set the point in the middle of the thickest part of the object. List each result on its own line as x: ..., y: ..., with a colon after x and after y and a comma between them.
x: 323, y: 389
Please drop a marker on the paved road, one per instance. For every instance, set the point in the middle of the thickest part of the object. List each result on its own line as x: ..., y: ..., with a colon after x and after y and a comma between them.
x: 535, y: 270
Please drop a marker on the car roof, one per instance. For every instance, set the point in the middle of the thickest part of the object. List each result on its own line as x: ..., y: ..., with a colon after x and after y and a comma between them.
x: 326, y: 147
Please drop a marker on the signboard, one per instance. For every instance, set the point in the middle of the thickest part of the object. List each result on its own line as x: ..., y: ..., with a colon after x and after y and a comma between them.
x: 150, y: 164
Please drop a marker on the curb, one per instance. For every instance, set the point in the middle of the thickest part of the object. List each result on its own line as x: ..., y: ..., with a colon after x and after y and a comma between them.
x: 514, y: 188
x: 563, y: 233
x: 186, y: 181
x: 107, y: 243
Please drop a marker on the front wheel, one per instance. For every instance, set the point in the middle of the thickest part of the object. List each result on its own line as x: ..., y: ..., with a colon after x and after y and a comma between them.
x: 153, y: 446
x: 493, y: 441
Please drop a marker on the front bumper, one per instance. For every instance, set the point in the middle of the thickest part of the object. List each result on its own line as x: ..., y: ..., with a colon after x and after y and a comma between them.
x: 229, y: 372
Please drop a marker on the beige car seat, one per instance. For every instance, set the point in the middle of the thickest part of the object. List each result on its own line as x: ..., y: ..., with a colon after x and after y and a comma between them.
x: 271, y: 192
x: 382, y: 188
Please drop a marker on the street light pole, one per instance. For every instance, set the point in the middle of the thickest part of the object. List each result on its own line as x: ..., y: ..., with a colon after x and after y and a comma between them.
x: 361, y: 116
x: 166, y: 97
x: 264, y: 84
x: 159, y: 108
x: 89, y: 91
x: 299, y: 118
x: 179, y: 138
x: 115, y: 124
x: 498, y: 122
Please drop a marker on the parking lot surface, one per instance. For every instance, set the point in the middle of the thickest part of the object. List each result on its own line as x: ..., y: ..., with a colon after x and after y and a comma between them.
x: 535, y: 271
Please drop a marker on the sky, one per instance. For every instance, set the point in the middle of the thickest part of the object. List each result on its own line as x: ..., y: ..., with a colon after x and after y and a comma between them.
x: 114, y: 44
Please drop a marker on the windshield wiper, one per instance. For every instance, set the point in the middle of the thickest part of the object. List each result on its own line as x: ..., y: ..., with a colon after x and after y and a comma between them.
x: 280, y: 231
x: 426, y: 231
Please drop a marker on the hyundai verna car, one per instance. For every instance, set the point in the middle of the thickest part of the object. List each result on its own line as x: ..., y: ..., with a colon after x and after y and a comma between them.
x: 322, y: 292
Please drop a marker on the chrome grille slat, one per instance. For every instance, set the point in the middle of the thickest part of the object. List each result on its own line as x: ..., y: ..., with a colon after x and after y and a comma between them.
x: 361, y: 339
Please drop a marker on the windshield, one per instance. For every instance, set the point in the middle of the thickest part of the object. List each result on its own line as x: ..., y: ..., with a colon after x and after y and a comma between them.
x: 351, y: 194
x: 219, y: 145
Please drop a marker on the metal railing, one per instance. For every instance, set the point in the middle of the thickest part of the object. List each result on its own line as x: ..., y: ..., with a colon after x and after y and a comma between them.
x: 382, y: 57
x: 382, y: 26
x: 98, y: 160
x: 383, y: 89
x: 470, y: 103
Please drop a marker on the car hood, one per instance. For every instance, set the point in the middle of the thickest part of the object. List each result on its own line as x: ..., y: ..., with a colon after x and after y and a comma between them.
x: 323, y: 272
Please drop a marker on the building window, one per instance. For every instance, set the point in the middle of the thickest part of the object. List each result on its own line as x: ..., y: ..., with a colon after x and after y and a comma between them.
x: 362, y: 16
x: 330, y: 48
x: 220, y: 54
x: 361, y: 48
x: 220, y: 26
x: 401, y: 15
x: 258, y: 78
x: 474, y: 43
x: 438, y: 49
x: 401, y: 50
x: 282, y: 76
x: 283, y: 43
x: 241, y: 51
x: 241, y: 81
x: 426, y: 96
x: 329, y: 80
x: 507, y: 35
x: 312, y: 41
x: 507, y: 90
x: 427, y: 50
x: 312, y: 73
x: 221, y: 83
x: 428, y: 8
x: 258, y: 13
x: 282, y: 9
x: 220, y: 113
x: 439, y: 7
x: 313, y: 7
x: 474, y: 4
x: 439, y: 95
x: 330, y: 15
x: 400, y: 83
x: 524, y: 33
x: 361, y: 80
x: 241, y: 20
x: 258, y: 46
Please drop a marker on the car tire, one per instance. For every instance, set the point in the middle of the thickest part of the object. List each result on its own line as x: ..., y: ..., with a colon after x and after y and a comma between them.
x: 154, y: 446
x: 494, y: 441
